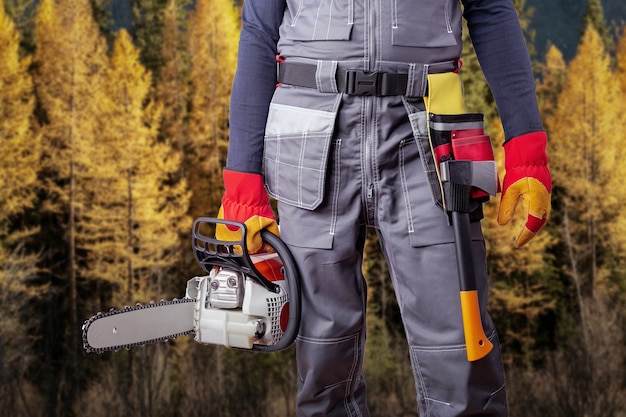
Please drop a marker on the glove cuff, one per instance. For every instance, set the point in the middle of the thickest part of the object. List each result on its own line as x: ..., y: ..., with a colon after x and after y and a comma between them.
x: 527, y: 150
x: 245, y: 196
x: 245, y: 188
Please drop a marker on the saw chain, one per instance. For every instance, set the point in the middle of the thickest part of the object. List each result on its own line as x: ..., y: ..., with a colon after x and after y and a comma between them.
x: 176, y: 320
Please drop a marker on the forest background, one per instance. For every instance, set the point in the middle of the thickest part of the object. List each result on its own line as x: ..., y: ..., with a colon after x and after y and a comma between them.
x: 113, y: 141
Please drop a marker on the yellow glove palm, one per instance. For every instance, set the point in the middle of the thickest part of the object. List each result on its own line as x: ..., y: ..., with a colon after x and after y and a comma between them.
x: 253, y: 224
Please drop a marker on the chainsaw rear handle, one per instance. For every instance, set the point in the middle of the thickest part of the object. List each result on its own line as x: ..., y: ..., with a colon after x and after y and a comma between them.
x: 233, y: 255
x: 292, y: 277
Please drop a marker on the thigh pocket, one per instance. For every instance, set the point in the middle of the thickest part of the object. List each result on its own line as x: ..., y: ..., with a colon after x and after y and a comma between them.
x: 427, y: 222
x: 297, y: 144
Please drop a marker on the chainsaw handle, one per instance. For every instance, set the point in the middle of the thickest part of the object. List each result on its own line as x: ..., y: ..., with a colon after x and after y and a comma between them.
x: 292, y: 278
x: 233, y: 254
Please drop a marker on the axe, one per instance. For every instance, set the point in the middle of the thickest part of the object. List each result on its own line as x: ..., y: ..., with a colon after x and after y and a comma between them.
x: 458, y: 177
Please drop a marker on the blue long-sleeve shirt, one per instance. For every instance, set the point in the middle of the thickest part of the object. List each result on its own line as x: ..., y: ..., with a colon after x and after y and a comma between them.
x: 496, y: 35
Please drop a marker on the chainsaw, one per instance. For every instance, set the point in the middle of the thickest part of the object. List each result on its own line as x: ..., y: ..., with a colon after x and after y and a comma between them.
x: 246, y: 301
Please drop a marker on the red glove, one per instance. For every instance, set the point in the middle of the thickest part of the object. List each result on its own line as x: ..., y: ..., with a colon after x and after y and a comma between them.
x: 527, y: 176
x: 245, y: 200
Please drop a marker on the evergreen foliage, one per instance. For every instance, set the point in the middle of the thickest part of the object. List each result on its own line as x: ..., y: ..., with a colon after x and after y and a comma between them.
x: 148, y: 17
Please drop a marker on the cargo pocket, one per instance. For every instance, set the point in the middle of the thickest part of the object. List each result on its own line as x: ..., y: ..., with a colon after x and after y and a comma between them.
x: 423, y: 216
x: 426, y: 216
x: 297, y: 144
x: 420, y: 133
x: 319, y: 20
x: 425, y: 23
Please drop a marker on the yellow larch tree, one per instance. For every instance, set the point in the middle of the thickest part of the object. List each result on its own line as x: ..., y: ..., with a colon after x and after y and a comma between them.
x: 171, y: 87
x: 172, y: 92
x: 212, y: 45
x: 70, y: 62
x: 145, y: 211
x: 620, y: 67
x: 551, y: 83
x: 20, y: 143
x: 586, y: 160
x: 617, y: 186
x: 132, y: 238
x: 19, y: 160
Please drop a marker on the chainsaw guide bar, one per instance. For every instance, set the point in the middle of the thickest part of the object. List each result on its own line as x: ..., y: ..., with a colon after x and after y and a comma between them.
x: 139, y: 325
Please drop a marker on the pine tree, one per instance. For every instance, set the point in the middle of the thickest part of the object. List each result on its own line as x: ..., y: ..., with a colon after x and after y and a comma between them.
x: 212, y: 45
x: 132, y: 238
x: 101, y: 11
x: 148, y: 29
x: 587, y: 155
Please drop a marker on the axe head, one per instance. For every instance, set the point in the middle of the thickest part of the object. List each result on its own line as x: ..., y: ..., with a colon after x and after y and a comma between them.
x: 479, y: 174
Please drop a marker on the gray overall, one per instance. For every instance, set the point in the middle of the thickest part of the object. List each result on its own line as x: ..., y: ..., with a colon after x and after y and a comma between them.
x: 338, y: 163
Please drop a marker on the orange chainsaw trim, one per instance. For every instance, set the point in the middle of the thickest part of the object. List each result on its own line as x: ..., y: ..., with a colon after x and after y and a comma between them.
x: 476, y: 342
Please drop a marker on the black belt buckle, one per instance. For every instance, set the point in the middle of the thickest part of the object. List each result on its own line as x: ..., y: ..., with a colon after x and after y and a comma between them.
x: 361, y: 83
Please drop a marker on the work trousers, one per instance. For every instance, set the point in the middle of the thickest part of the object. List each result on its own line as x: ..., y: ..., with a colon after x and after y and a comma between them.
x: 361, y: 167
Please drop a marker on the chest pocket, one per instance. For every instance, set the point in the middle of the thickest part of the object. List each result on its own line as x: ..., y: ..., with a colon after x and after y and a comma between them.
x: 319, y: 20
x: 426, y: 23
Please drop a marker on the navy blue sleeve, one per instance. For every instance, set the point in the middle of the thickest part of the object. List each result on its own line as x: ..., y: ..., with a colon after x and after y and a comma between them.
x: 503, y: 55
x: 254, y: 83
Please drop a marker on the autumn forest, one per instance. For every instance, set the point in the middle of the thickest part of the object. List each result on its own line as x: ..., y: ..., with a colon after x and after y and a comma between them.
x: 113, y: 141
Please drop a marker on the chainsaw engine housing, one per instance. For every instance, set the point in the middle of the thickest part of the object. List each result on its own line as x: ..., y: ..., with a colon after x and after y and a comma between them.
x: 235, y: 311
x: 246, y: 301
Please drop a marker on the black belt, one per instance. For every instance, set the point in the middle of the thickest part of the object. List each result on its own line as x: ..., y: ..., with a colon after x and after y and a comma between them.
x: 353, y: 82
